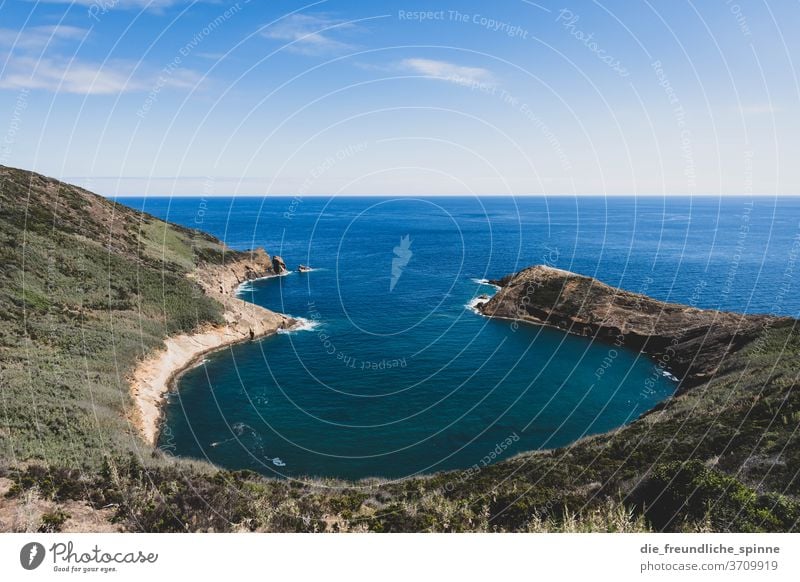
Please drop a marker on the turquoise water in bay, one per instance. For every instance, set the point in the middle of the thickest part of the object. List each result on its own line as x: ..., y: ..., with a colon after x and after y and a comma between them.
x: 394, y: 375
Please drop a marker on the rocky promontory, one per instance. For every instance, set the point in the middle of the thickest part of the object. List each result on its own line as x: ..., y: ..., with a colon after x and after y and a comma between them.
x: 242, y: 321
x: 690, y: 343
x: 238, y: 267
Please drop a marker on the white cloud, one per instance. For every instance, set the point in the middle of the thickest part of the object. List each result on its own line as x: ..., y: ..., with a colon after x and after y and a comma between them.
x: 757, y: 109
x: 96, y: 9
x: 88, y: 78
x: 28, y: 64
x: 444, y: 71
x: 38, y: 37
x: 309, y: 34
x: 106, y: 5
x: 211, y: 56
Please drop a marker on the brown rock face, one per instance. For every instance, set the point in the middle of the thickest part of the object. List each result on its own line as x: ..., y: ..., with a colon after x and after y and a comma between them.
x: 253, y: 265
x: 236, y: 268
x: 278, y: 266
x: 688, y: 342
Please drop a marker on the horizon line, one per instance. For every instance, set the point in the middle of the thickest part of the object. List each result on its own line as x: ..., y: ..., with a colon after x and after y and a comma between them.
x: 484, y: 195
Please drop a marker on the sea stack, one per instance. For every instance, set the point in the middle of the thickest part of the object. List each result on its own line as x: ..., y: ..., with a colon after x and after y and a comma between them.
x: 278, y: 265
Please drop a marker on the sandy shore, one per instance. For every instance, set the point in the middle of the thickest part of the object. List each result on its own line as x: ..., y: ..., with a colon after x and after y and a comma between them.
x: 153, y: 376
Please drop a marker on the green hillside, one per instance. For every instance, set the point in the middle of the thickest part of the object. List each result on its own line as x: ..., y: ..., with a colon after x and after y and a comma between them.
x: 87, y: 286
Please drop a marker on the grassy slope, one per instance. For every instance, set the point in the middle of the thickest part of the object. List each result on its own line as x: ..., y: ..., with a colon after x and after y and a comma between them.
x: 722, y: 456
x: 86, y: 288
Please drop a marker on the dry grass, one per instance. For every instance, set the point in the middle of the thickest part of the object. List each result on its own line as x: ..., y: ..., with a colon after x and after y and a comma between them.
x: 611, y: 517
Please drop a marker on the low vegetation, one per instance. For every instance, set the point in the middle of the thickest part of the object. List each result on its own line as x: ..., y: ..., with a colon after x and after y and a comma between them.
x: 87, y: 287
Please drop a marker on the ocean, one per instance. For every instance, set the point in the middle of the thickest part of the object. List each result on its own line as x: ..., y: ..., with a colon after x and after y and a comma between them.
x: 393, y: 374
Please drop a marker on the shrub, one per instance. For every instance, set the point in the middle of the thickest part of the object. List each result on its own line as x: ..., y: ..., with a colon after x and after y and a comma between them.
x: 678, y: 495
x: 53, y: 522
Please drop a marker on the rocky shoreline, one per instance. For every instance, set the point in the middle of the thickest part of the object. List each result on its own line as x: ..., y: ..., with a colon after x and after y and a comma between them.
x: 244, y: 321
x: 687, y: 342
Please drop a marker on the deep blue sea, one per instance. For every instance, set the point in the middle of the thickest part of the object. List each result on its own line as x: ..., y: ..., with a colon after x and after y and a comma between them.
x: 394, y: 375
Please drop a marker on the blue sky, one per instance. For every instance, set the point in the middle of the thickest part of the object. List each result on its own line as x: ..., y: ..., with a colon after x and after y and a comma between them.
x: 343, y: 97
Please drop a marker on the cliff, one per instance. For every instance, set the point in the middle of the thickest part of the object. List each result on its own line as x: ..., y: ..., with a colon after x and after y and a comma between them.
x: 243, y: 321
x: 690, y: 343
x: 223, y: 278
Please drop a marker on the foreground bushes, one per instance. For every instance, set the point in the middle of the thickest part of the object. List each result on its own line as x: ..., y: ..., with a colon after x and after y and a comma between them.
x: 680, y: 495
x: 179, y: 497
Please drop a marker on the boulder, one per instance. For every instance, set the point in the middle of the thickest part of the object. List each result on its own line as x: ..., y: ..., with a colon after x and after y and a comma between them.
x: 278, y: 265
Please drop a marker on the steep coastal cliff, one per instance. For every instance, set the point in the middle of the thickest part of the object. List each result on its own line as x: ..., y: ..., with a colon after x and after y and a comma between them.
x: 224, y: 277
x: 690, y: 343
x: 243, y: 321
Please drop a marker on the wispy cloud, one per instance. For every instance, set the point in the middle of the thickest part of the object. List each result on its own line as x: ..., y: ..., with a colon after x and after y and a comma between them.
x: 39, y: 37
x: 211, y: 56
x: 757, y: 109
x: 450, y: 72
x: 310, y: 34
x: 29, y: 63
x: 96, y: 9
x: 61, y: 75
x: 107, y: 5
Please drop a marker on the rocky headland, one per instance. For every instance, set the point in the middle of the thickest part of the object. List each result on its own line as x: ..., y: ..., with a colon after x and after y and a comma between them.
x: 687, y: 342
x: 238, y: 267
